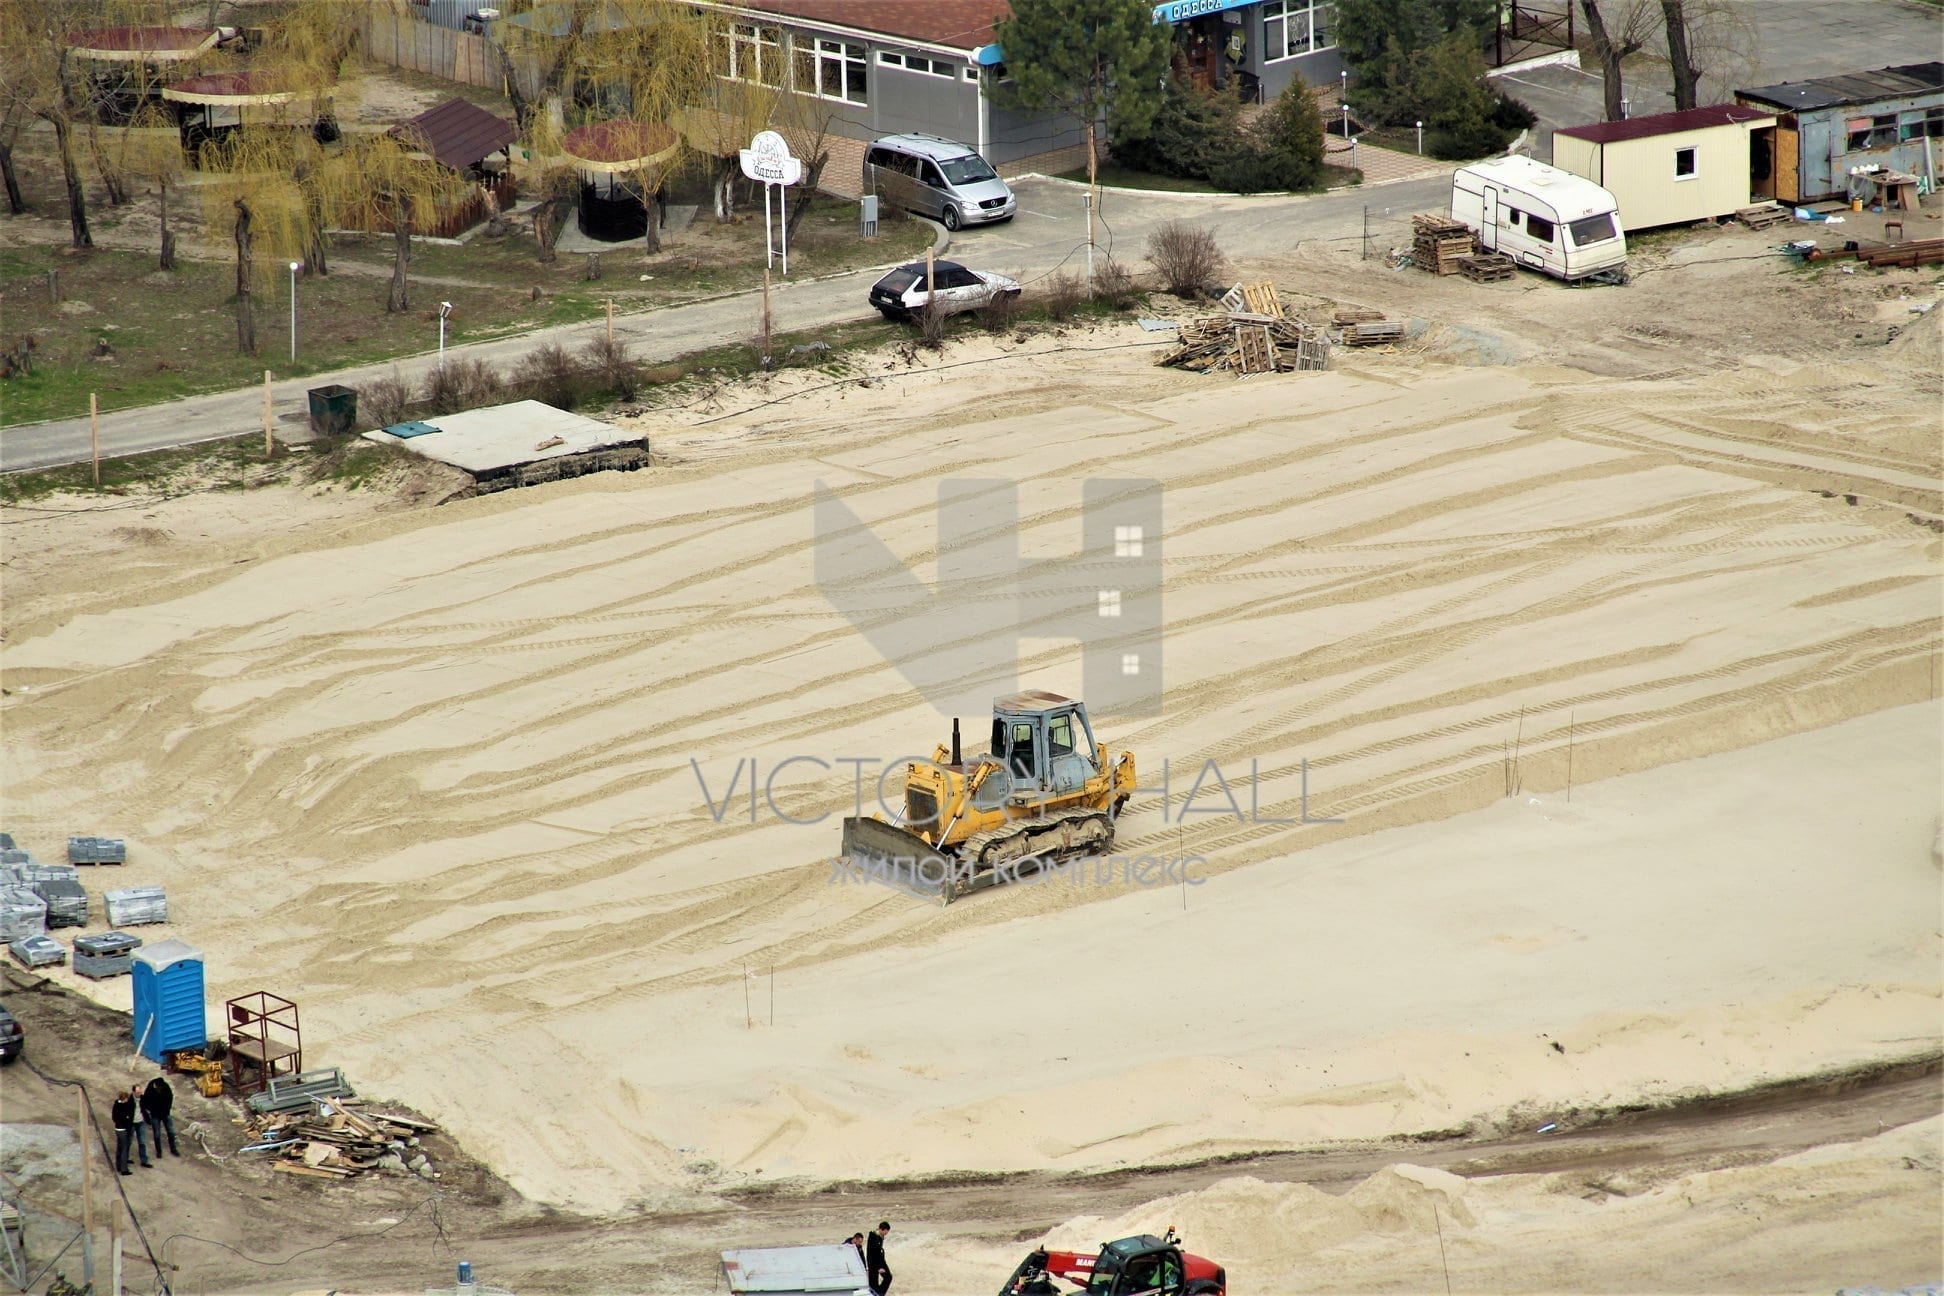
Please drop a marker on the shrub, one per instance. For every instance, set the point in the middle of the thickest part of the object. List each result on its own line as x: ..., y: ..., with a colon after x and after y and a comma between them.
x: 1194, y: 131
x: 613, y: 366
x: 549, y: 374
x: 383, y: 402
x: 931, y: 326
x: 1186, y: 256
x: 1459, y: 106
x: 1062, y: 297
x: 1001, y: 313
x: 1115, y: 285
x: 463, y: 385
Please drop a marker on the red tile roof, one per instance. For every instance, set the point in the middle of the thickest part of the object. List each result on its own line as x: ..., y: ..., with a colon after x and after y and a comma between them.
x: 955, y: 24
x: 457, y: 133
x: 1667, y: 123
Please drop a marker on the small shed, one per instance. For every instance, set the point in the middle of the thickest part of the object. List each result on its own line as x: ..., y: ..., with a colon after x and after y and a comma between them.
x: 459, y: 135
x: 1669, y: 168
x: 1891, y: 118
x: 168, y: 999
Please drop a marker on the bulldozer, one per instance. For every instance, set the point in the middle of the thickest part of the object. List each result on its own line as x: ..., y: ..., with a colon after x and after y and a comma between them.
x: 1046, y: 791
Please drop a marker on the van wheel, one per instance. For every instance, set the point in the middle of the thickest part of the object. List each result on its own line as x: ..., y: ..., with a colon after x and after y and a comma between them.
x: 950, y: 216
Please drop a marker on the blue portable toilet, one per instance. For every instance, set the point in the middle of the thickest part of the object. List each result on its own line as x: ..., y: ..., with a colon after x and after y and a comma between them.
x: 168, y: 999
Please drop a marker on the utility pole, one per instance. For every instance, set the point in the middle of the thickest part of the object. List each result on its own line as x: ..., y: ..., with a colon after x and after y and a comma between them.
x: 87, y: 1185
x: 94, y: 436
x: 268, y: 448
x: 610, y: 315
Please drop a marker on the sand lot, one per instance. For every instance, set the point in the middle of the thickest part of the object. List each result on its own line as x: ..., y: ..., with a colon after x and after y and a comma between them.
x: 434, y: 774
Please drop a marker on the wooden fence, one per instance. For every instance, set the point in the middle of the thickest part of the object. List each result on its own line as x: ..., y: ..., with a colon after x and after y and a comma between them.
x: 448, y: 220
x: 396, y: 38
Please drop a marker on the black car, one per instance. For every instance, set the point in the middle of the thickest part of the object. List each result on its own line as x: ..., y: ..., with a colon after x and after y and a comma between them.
x: 12, y: 1037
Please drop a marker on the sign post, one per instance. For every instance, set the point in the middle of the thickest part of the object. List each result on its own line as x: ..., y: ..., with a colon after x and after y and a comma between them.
x: 768, y: 160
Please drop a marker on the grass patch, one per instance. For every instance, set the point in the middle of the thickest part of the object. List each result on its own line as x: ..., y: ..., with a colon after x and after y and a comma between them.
x: 173, y: 334
x: 1116, y: 176
x: 233, y: 463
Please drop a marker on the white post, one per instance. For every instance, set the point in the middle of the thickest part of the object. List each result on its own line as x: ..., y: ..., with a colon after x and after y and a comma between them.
x: 769, y: 235
x: 445, y: 309
x: 783, y: 223
x: 295, y: 266
x: 1090, y: 239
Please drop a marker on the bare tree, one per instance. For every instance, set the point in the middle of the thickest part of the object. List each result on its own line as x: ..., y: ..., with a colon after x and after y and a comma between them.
x: 1709, y: 43
x: 1629, y: 32
x: 12, y: 114
x: 152, y: 149
x: 1680, y: 58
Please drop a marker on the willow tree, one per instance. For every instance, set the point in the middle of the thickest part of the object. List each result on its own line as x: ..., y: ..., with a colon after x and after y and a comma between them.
x: 39, y: 78
x: 251, y: 199
x: 573, y: 62
x: 151, y: 148
x: 405, y: 186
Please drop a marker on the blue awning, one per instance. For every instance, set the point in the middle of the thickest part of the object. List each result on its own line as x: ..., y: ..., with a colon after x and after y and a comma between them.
x: 1174, y: 11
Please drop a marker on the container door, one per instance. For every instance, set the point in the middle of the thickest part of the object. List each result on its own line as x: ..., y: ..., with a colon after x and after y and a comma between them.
x: 1488, y: 225
x: 1788, y: 180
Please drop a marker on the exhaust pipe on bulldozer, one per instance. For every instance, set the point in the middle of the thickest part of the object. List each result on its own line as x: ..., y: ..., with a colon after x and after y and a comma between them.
x: 956, y: 759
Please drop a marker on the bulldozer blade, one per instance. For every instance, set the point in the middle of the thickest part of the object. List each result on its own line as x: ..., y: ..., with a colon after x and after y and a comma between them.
x: 875, y: 851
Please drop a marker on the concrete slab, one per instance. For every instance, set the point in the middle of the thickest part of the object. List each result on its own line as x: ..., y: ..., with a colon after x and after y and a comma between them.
x: 486, y: 442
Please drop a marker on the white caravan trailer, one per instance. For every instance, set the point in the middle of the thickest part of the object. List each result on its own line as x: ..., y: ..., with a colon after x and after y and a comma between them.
x: 1550, y: 220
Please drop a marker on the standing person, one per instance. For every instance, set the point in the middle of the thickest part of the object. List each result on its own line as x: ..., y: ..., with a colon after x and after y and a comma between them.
x: 122, y: 1114
x: 857, y: 1243
x: 876, y: 1271
x: 158, y: 1104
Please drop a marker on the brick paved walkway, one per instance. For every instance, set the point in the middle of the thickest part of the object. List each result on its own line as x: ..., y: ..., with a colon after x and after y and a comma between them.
x: 1382, y: 165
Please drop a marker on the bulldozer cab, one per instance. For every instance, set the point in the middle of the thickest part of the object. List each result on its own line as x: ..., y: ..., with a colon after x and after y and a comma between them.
x: 1044, y: 742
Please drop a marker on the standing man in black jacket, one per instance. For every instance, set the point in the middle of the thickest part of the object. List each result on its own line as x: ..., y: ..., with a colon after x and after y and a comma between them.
x: 158, y: 1104
x: 875, y: 1269
x: 122, y: 1113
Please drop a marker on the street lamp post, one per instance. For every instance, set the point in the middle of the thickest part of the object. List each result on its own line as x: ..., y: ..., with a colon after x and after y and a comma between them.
x: 1420, y: 139
x: 1343, y: 98
x: 295, y: 266
x: 445, y: 309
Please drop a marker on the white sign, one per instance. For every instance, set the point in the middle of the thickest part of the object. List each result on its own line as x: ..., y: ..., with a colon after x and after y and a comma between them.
x: 768, y: 159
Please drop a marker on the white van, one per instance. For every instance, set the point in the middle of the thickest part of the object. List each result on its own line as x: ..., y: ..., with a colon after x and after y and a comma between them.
x: 1550, y: 220
x: 939, y: 178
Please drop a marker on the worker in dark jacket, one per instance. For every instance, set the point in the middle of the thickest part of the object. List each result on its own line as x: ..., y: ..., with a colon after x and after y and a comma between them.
x: 122, y: 1113
x: 876, y: 1271
x: 158, y: 1102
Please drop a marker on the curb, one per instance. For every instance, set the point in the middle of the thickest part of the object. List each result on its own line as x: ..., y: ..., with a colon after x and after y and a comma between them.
x: 1174, y: 193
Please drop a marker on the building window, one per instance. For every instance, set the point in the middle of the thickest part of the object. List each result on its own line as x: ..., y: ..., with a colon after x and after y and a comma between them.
x: 1684, y: 164
x: 1294, y: 27
x: 831, y: 69
x: 753, y: 53
x: 917, y: 63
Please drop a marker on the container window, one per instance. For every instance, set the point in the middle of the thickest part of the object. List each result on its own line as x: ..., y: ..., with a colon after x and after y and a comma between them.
x: 1684, y: 163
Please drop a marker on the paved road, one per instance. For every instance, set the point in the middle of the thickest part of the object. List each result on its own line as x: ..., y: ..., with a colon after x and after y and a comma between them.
x: 1793, y: 40
x: 1050, y: 233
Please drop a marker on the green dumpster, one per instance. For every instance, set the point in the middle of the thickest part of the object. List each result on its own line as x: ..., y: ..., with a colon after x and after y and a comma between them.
x: 333, y: 410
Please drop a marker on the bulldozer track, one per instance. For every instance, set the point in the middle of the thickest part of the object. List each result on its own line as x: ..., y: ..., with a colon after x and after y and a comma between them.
x: 1067, y: 834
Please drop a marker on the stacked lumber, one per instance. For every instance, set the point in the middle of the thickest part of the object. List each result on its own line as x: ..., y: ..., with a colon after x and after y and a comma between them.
x: 1438, y: 242
x: 1255, y: 336
x: 1762, y: 215
x: 331, y: 1141
x: 1373, y: 333
x: 1920, y: 252
x: 1355, y: 315
x: 1486, y: 267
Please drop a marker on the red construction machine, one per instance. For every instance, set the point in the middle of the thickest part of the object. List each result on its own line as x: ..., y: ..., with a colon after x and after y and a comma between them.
x: 1145, y: 1265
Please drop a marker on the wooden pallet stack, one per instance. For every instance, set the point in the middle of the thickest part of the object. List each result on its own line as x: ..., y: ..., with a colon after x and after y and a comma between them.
x: 1762, y: 215
x: 331, y: 1141
x: 1486, y: 267
x: 1256, y: 336
x: 1438, y: 242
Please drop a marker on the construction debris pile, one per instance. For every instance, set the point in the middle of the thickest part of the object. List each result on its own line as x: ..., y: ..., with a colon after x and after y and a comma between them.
x: 1254, y: 336
x: 1439, y: 244
x: 326, y: 1139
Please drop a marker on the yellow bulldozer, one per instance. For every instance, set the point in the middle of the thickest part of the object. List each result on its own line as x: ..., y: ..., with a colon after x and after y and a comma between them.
x: 1046, y: 791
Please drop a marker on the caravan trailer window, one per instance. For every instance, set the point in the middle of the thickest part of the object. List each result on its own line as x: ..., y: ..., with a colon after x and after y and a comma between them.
x: 1539, y: 227
x: 1592, y: 229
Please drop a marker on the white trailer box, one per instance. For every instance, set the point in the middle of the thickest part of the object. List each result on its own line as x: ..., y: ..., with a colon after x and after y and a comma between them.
x: 796, y: 1271
x: 1545, y: 219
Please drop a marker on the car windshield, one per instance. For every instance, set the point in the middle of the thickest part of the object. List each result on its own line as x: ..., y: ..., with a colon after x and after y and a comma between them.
x: 1593, y: 229
x: 900, y: 280
x: 969, y: 169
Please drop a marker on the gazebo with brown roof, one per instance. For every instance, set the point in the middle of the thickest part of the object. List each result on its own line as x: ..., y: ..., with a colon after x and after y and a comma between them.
x: 459, y: 135
x: 143, y: 44
x: 608, y: 156
x: 210, y: 105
